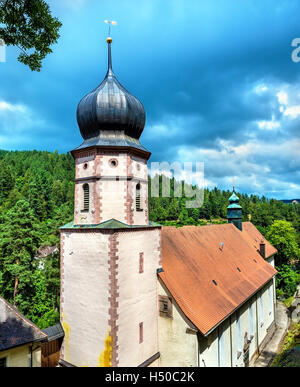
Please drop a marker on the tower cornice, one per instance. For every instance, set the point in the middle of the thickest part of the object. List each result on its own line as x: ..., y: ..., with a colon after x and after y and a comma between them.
x: 106, y: 149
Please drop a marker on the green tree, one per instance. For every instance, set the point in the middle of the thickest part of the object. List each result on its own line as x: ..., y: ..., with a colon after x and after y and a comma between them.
x: 283, y: 236
x: 28, y: 25
x: 6, y: 180
x: 19, y: 242
x: 287, y: 281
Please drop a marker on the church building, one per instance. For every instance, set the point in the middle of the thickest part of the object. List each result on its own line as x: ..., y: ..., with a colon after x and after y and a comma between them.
x: 134, y: 293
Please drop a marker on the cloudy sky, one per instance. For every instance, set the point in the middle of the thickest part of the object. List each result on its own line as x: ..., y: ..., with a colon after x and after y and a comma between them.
x: 216, y: 78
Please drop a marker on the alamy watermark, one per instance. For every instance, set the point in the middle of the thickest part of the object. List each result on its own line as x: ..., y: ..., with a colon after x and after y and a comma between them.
x: 188, y: 181
x: 296, y: 51
x: 2, y: 51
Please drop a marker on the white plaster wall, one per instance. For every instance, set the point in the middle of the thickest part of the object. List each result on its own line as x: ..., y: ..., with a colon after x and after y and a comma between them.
x: 80, y: 171
x: 80, y: 216
x: 177, y: 347
x: 21, y: 356
x: 208, y: 350
x: 209, y: 346
x: 113, y: 199
x: 139, y: 168
x: 237, y: 358
x: 137, y: 296
x: 268, y: 313
x: 85, y: 305
x: 119, y: 170
x: 224, y: 330
x: 253, y: 344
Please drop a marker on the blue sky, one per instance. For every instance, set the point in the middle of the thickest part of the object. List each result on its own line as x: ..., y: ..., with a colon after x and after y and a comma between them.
x: 215, y: 76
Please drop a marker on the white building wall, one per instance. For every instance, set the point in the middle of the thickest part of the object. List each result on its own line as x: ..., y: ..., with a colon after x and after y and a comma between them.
x: 113, y: 198
x: 177, y: 347
x: 137, y: 301
x: 208, y: 350
x: 84, y: 303
x: 266, y: 314
x: 215, y: 350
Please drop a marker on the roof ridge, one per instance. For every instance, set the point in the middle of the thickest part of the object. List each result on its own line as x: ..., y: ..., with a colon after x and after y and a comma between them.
x: 21, y: 315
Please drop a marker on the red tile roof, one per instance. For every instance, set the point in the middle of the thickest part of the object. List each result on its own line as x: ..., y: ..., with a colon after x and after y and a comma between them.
x: 254, y: 238
x: 15, y: 328
x: 207, y: 280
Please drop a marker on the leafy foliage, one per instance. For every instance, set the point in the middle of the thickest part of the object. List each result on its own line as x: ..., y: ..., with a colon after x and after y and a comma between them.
x: 282, y: 235
x: 28, y: 24
x: 287, y: 280
x: 36, y: 201
x: 289, y: 355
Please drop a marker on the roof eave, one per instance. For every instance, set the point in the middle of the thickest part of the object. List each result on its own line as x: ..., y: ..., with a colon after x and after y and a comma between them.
x: 239, y: 306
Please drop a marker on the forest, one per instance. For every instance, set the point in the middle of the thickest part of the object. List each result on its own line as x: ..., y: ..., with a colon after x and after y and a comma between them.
x: 37, y: 191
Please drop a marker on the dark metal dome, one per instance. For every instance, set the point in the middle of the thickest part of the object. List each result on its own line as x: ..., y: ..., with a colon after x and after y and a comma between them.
x: 110, y: 107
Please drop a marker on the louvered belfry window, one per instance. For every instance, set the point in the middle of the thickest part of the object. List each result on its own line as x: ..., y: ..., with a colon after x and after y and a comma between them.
x: 86, y: 197
x: 138, y: 197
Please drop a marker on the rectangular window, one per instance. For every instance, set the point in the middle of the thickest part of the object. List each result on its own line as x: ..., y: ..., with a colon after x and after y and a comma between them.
x: 239, y: 335
x: 165, y: 306
x: 221, y: 349
x: 251, y: 320
x: 270, y: 300
x: 3, y: 362
x: 261, y: 309
x: 141, y: 333
x: 141, y: 263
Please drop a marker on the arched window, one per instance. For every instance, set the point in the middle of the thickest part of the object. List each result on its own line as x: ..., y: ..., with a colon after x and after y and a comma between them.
x: 138, y: 197
x: 86, y: 197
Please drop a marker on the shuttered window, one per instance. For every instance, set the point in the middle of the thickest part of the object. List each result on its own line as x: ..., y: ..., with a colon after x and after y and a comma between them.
x: 86, y: 197
x: 138, y: 197
x: 165, y: 306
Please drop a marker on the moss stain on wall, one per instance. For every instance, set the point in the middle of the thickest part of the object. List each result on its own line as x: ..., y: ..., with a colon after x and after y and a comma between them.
x: 66, y: 328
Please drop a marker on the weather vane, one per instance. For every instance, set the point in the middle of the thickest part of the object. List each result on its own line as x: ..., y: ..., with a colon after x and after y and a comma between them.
x: 233, y: 184
x: 110, y: 22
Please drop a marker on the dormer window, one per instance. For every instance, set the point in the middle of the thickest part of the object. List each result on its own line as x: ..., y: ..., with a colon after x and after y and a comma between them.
x: 86, y: 197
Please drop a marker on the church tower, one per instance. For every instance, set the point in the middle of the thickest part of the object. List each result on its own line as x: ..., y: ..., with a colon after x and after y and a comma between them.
x: 234, y: 211
x: 110, y: 252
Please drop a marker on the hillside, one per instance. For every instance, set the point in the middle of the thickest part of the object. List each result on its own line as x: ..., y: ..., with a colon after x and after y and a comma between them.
x: 37, y: 192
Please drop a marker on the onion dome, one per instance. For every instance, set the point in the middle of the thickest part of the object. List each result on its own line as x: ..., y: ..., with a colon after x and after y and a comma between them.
x: 234, y: 201
x: 110, y: 111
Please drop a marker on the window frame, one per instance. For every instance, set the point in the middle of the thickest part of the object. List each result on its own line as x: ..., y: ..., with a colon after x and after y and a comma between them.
x: 5, y: 359
x: 86, y: 197
x: 165, y: 312
x: 138, y: 189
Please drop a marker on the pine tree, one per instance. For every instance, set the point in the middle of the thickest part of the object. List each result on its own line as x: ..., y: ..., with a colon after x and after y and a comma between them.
x: 19, y: 241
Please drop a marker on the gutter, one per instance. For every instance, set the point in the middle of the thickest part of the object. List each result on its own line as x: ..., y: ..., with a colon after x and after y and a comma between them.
x: 43, y: 340
x: 239, y: 306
